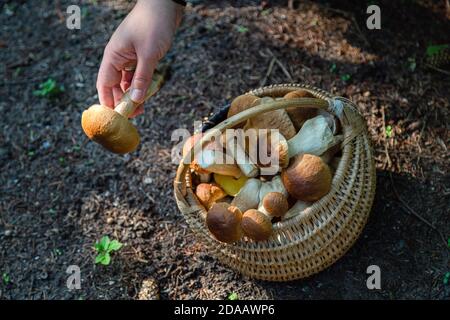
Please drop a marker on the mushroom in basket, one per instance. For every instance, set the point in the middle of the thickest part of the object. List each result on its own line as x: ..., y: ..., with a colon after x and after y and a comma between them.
x: 224, y: 222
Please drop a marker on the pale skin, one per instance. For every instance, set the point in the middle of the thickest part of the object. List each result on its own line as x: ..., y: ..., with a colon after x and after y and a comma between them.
x: 140, y: 41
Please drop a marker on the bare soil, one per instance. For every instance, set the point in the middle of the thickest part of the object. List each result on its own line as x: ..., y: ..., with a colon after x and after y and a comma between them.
x: 60, y: 193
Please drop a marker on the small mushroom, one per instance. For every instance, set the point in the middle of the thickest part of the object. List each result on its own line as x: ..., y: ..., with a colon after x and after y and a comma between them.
x: 274, y: 204
x: 256, y: 225
x: 248, y: 196
x: 209, y: 193
x: 308, y: 178
x: 299, y: 115
x: 277, y: 119
x: 230, y: 184
x: 224, y: 222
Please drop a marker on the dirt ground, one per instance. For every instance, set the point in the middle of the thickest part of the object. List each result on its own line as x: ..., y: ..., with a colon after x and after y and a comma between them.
x: 60, y: 193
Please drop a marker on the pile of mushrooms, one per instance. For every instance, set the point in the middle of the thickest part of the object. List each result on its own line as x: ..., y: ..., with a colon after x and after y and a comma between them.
x: 240, y: 200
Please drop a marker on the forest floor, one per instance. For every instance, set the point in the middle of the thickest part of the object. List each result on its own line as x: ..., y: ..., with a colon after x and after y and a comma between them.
x: 59, y: 193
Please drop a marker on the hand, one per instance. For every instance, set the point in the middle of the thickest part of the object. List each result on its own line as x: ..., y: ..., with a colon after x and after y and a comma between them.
x: 140, y: 41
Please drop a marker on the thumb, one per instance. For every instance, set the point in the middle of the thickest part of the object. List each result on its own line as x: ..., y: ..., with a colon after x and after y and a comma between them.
x: 141, y: 80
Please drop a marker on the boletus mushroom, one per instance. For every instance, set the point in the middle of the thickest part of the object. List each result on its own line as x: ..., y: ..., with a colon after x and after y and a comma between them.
x: 308, y: 178
x: 224, y: 222
x: 209, y: 193
x: 277, y: 119
x: 256, y: 225
x: 110, y: 127
x: 274, y: 204
x: 299, y: 115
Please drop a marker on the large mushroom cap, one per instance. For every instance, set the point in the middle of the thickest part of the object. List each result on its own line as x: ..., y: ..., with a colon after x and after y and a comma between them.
x: 308, y: 178
x: 110, y: 129
x: 224, y: 222
x: 256, y: 225
x: 275, y: 204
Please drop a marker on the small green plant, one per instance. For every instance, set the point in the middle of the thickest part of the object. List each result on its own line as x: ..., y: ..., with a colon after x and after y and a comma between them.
x: 5, y: 278
x: 333, y: 68
x: 388, y: 131
x: 48, y: 89
x: 346, y: 77
x: 436, y: 49
x: 104, y: 247
x: 233, y: 296
x: 241, y: 29
x: 446, y: 278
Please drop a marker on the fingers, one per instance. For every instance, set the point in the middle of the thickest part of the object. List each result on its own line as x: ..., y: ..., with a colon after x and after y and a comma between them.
x: 117, y: 93
x: 141, y: 79
x: 108, y: 77
x: 127, y: 77
x: 139, y: 110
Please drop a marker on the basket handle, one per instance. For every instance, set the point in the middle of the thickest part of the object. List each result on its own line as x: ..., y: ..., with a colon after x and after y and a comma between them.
x: 180, y: 181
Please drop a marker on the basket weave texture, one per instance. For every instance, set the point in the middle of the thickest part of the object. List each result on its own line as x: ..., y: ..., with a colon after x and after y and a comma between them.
x: 307, y: 243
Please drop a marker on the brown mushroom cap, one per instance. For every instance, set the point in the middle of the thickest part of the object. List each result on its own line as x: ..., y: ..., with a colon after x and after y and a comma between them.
x: 299, y: 115
x: 308, y: 178
x: 241, y: 103
x: 110, y: 129
x: 209, y: 193
x: 256, y: 225
x: 224, y: 222
x: 276, y: 204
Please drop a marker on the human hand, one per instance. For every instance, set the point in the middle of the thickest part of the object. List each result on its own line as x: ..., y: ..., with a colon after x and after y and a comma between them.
x: 140, y: 41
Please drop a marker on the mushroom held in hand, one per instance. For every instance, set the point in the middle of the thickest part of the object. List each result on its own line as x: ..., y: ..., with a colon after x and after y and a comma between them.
x: 224, y: 222
x: 111, y: 128
x: 208, y: 194
x: 308, y: 178
x: 274, y: 204
x: 256, y: 225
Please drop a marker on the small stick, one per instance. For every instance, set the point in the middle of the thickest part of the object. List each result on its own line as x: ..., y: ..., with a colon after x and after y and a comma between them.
x: 269, y: 71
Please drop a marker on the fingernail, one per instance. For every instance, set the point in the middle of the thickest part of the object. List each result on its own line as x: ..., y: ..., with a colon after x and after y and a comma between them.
x: 137, y: 95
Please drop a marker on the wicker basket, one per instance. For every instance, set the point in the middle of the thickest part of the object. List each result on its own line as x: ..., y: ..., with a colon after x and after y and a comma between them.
x: 307, y: 243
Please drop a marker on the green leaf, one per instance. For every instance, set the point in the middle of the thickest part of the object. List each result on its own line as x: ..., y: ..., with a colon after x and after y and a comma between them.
x: 233, y: 296
x: 446, y: 278
x: 102, y: 245
x: 346, y: 77
x: 5, y: 278
x: 432, y: 50
x: 48, y: 88
x: 388, y: 131
x: 242, y: 29
x: 103, y: 258
x: 448, y: 242
x: 114, y: 245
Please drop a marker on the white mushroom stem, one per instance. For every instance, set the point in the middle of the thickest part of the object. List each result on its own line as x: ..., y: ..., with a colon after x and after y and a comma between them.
x: 248, y: 168
x: 298, y: 208
x: 248, y: 197
x: 315, y: 137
